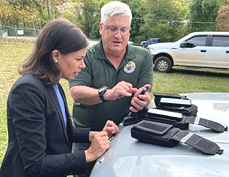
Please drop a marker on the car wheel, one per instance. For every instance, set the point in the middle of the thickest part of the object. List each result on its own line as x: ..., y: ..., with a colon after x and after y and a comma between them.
x: 163, y: 64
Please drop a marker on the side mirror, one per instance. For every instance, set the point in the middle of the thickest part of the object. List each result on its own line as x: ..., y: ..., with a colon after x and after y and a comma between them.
x: 187, y: 45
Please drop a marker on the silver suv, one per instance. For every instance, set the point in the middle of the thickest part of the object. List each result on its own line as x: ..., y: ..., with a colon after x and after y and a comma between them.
x: 198, y: 49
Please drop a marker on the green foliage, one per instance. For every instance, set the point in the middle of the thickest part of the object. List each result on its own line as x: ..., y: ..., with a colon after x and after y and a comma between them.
x: 88, y: 9
x: 222, y: 19
x: 27, y: 13
x: 163, y: 20
x: 88, y: 16
x: 166, y: 19
x: 137, y: 20
x: 19, y: 10
x: 202, y: 15
x: 95, y: 30
x: 224, y: 2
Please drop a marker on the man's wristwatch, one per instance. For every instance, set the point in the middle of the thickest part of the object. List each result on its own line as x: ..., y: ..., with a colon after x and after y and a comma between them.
x: 101, y: 93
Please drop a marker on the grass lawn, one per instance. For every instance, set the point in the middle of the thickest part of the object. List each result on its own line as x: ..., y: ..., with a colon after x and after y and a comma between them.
x: 180, y: 80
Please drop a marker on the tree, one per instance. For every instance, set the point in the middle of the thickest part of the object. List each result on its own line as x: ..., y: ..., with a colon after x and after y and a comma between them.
x: 203, y: 14
x: 163, y: 20
x: 6, y: 11
x: 222, y: 19
x: 25, y: 10
x: 137, y: 20
x: 224, y: 2
x: 22, y: 13
x: 88, y: 16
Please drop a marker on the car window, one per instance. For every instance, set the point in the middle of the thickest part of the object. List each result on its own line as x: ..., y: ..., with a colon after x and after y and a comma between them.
x: 220, y: 41
x: 198, y: 40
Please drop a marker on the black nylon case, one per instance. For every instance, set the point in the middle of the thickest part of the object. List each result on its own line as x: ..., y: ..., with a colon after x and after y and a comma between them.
x: 164, y: 119
x: 144, y: 115
x: 185, y: 110
x: 189, y: 110
x: 162, y: 136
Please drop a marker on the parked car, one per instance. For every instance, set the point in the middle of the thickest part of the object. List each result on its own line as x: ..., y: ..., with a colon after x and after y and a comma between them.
x: 150, y: 41
x: 127, y: 157
x: 199, y: 49
x: 134, y: 43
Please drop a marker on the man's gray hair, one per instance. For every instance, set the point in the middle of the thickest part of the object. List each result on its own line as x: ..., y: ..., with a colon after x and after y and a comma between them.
x: 115, y: 8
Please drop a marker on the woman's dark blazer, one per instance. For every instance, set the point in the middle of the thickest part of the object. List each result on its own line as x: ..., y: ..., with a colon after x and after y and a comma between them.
x: 39, y: 142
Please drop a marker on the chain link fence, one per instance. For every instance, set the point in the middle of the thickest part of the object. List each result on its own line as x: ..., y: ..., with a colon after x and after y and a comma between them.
x: 9, y: 31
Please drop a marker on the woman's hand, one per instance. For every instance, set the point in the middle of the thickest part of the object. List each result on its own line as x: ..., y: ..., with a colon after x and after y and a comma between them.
x: 111, y: 128
x: 100, y: 141
x: 99, y: 144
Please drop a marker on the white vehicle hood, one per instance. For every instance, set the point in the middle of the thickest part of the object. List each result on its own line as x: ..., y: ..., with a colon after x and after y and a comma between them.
x: 160, y: 45
x: 128, y: 157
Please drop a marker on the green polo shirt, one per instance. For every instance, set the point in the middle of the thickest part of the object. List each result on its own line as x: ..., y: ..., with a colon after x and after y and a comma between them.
x: 135, y: 68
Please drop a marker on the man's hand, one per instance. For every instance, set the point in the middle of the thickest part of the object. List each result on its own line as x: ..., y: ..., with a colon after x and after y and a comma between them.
x: 120, y: 90
x: 139, y: 101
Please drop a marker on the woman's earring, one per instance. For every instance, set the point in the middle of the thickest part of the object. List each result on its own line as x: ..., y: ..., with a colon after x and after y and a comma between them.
x: 56, y: 61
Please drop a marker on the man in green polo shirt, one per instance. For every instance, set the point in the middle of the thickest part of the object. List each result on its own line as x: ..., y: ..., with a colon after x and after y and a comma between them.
x: 115, y: 74
x: 135, y: 70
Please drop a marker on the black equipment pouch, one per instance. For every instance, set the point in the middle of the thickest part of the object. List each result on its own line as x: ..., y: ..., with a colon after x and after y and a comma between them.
x: 169, y: 136
x: 175, y: 103
x: 158, y: 96
x: 168, y: 117
x: 173, y: 118
x: 182, y: 121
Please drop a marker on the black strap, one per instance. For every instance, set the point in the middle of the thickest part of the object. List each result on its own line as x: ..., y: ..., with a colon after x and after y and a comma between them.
x: 206, y: 123
x: 133, y: 118
x: 128, y: 120
x: 197, y: 142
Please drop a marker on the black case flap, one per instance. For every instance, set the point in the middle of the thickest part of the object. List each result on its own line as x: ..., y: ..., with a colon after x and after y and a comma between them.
x: 154, y: 133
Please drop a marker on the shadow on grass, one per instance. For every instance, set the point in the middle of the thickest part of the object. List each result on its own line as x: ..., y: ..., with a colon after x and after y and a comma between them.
x: 201, y: 72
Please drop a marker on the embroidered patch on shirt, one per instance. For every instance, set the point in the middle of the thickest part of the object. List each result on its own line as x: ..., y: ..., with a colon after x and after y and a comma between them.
x: 129, y: 67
